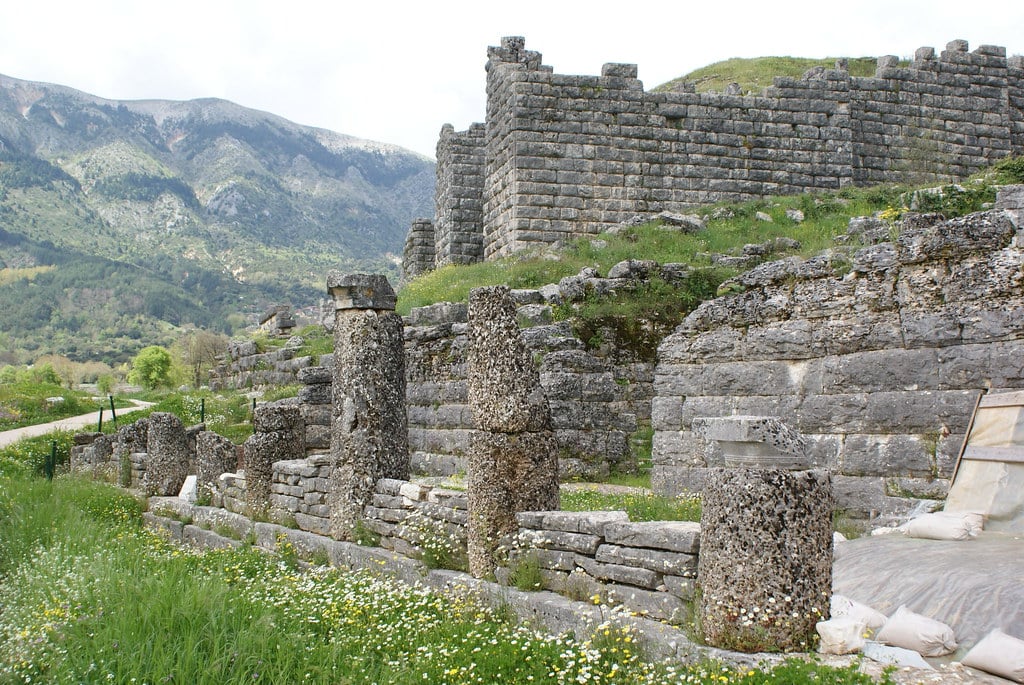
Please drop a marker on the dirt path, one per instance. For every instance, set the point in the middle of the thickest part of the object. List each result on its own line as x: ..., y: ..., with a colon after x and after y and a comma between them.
x: 70, y: 423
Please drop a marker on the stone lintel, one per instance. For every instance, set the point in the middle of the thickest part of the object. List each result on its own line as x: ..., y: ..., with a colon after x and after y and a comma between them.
x: 360, y: 291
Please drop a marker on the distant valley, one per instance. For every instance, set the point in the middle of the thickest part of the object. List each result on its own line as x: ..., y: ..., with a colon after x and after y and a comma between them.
x: 123, y: 221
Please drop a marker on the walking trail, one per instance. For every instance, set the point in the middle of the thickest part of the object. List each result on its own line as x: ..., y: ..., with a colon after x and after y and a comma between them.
x: 69, y: 423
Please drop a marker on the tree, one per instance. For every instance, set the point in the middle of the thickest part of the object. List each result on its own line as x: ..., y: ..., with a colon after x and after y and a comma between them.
x: 199, y: 351
x: 151, y: 367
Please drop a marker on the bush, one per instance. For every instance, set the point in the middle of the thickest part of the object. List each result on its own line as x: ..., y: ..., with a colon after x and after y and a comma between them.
x: 151, y: 367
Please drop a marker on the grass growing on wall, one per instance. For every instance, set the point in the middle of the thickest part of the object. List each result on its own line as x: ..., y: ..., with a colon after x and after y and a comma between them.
x: 641, y: 506
x: 89, y: 596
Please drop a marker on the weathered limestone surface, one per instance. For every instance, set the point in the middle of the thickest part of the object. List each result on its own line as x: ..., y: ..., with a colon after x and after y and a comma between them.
x: 562, y: 156
x: 369, y: 438
x: 765, y: 566
x: 513, y: 463
x: 876, y: 360
x: 167, y: 446
x: 245, y: 366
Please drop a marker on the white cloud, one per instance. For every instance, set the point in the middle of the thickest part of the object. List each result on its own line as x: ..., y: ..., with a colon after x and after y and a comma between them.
x: 396, y: 71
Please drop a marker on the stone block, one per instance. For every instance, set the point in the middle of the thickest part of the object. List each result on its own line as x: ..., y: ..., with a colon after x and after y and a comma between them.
x: 588, y: 522
x: 753, y: 441
x: 674, y: 536
x: 616, y: 573
x: 360, y: 291
x: 319, y: 394
x: 662, y: 562
x: 561, y: 540
x: 661, y: 606
x: 314, y: 375
x: 683, y: 588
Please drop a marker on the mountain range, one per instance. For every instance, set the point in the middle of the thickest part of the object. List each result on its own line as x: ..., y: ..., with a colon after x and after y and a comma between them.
x: 121, y: 222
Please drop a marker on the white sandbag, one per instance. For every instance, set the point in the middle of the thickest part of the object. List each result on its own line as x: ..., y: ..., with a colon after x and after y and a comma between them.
x: 844, y: 607
x: 924, y: 635
x: 945, y: 525
x: 999, y: 654
x: 840, y: 635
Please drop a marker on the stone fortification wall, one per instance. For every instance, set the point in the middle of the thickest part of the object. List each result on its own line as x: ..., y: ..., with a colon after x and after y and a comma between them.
x: 418, y: 256
x: 597, y: 400
x: 878, y: 360
x: 459, y: 195
x: 562, y: 156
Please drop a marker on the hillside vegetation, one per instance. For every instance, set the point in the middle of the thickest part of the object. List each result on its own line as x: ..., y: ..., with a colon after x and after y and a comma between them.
x: 122, y: 221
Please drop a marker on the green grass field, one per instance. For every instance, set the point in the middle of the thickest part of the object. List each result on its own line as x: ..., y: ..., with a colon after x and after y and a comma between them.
x: 90, y: 596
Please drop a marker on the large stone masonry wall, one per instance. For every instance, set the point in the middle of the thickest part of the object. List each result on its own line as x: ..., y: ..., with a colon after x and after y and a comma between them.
x: 597, y: 400
x: 878, y: 361
x: 563, y: 156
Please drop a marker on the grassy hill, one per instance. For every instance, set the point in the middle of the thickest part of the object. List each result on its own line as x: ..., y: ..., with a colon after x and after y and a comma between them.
x: 756, y: 73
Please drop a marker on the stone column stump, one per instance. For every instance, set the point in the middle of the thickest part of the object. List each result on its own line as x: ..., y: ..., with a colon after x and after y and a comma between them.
x: 167, y: 446
x: 280, y: 435
x: 215, y: 455
x: 765, y: 567
x: 369, y: 429
x: 513, y: 455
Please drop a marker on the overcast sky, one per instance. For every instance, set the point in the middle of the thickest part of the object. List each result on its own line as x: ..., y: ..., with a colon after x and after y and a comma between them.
x: 396, y: 70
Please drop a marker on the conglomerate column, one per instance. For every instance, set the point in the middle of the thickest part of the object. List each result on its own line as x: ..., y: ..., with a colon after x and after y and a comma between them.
x: 513, y: 456
x: 369, y: 429
x: 765, y: 568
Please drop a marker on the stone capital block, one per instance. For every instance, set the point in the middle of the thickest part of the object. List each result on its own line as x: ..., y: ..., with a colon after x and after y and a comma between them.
x: 360, y: 291
x: 765, y: 566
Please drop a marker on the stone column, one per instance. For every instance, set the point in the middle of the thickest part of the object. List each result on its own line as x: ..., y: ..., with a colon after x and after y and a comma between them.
x: 131, y: 439
x: 765, y: 568
x: 369, y: 429
x: 513, y: 456
x: 280, y: 434
x: 215, y: 455
x: 167, y: 464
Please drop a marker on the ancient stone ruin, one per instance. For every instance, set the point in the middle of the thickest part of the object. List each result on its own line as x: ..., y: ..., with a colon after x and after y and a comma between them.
x: 278, y: 435
x: 369, y: 438
x: 168, y: 464
x: 876, y: 359
x: 513, y: 459
x: 562, y: 156
x: 765, y: 570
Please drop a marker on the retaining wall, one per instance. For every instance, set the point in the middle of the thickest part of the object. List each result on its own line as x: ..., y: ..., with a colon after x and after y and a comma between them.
x: 877, y: 359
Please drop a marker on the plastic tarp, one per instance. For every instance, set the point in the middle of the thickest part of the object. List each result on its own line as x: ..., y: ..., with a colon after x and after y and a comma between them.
x: 990, y: 475
x: 973, y: 585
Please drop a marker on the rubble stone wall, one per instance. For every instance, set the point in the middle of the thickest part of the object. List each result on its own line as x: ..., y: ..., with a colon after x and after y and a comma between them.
x: 878, y: 361
x: 561, y: 156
